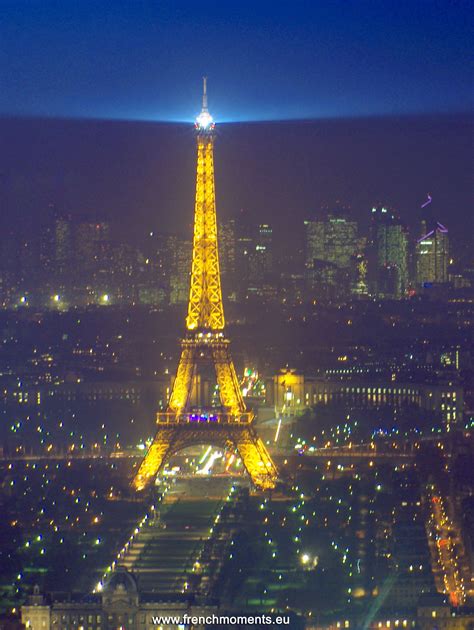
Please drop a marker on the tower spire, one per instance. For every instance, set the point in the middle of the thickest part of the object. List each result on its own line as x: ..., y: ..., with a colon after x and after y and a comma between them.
x: 204, y: 94
x: 204, y: 122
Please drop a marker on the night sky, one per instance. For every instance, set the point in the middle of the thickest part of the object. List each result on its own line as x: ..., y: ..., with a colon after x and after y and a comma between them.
x: 265, y: 59
x: 386, y: 84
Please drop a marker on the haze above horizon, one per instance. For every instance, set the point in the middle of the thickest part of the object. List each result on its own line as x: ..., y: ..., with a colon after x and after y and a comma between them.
x: 265, y: 61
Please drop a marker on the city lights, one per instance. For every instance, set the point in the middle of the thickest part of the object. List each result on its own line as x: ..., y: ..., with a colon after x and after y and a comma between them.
x: 326, y: 474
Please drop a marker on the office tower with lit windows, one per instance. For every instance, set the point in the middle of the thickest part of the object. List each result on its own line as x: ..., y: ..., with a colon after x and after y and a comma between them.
x: 264, y: 247
x: 261, y: 281
x: 244, y: 245
x: 387, y: 254
x: 432, y: 255
x: 330, y: 244
x: 63, y: 236
x: 8, y: 268
x: 88, y: 236
x: 155, y: 269
x: 227, y: 235
x: 182, y: 251
x: 92, y: 257
x: 165, y: 268
x: 76, y: 257
x: 359, y: 286
x: 228, y: 249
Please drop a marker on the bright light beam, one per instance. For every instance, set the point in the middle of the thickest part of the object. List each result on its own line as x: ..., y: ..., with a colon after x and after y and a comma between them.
x: 277, y: 433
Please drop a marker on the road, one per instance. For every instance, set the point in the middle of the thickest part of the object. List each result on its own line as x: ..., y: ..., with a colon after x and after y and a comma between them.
x: 447, y: 574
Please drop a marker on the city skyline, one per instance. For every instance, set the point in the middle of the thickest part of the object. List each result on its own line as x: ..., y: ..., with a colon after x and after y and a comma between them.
x: 397, y: 162
x: 237, y: 361
x: 75, y: 261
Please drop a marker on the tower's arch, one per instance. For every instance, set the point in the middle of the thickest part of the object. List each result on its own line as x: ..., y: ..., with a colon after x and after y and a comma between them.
x: 170, y: 440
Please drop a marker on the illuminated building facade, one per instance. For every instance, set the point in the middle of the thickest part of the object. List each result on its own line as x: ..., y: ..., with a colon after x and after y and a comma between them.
x: 227, y: 256
x: 190, y: 418
x: 261, y: 262
x: 432, y: 256
x: 388, y: 254
x: 181, y: 254
x: 63, y: 244
x: 330, y: 243
x: 331, y: 237
x: 244, y: 245
x: 359, y: 285
x: 35, y: 395
x: 295, y: 391
x: 88, y: 236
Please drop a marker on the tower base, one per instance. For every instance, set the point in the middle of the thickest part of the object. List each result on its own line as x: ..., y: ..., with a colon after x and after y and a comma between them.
x: 176, y: 433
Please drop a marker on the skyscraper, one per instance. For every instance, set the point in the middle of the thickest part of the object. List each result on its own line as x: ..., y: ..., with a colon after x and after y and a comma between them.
x: 8, y: 267
x: 181, y: 263
x: 88, y: 235
x: 330, y: 243
x: 359, y: 275
x: 63, y: 244
x: 261, y: 262
x: 227, y: 260
x: 227, y: 236
x: 387, y: 254
x: 244, y: 244
x: 331, y: 237
x: 432, y: 254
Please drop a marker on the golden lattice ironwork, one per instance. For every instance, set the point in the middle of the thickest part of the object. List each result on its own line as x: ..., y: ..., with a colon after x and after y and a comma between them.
x: 238, y: 437
x: 230, y: 425
x: 184, y: 375
x: 205, y: 310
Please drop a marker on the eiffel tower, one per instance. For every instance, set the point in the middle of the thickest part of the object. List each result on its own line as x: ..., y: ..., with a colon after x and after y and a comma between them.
x: 189, y: 419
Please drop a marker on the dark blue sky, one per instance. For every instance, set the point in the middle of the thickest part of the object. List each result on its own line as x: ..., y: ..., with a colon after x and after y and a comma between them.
x: 265, y: 59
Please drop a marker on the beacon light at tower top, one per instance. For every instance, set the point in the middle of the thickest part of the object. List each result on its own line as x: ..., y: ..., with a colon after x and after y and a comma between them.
x: 204, y: 121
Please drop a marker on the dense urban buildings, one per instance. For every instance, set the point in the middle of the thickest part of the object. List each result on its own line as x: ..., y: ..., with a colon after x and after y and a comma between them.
x: 388, y: 255
x: 330, y: 243
x: 432, y: 256
x: 259, y: 414
x: 75, y: 262
x: 355, y: 354
x: 354, y: 350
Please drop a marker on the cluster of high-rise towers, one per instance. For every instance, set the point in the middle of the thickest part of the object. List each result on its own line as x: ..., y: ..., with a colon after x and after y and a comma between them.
x: 387, y: 262
x: 75, y: 262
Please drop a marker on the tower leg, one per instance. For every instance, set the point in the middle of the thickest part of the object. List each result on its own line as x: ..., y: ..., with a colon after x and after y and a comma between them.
x: 156, y: 455
x: 229, y: 388
x: 256, y: 459
x: 182, y: 383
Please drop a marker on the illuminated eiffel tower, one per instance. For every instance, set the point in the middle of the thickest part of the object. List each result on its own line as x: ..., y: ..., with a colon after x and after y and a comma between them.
x: 188, y: 422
